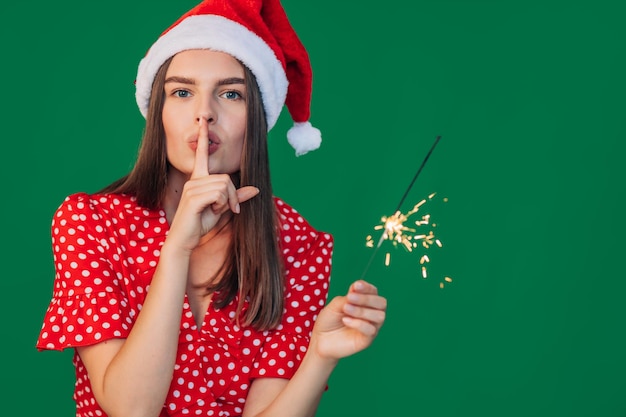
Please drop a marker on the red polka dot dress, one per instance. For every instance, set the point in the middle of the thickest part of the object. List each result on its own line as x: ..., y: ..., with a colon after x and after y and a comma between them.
x: 106, y: 249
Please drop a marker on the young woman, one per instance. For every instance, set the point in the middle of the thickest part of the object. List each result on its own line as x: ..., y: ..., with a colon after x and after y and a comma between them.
x: 187, y: 287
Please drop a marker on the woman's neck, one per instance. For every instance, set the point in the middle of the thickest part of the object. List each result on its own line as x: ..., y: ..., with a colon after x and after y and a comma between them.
x: 173, y: 192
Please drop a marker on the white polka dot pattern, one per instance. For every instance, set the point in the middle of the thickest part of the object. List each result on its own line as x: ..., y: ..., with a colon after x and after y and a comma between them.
x: 105, y: 251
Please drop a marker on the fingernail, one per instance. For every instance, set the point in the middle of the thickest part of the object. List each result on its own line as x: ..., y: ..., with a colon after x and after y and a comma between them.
x: 237, y: 208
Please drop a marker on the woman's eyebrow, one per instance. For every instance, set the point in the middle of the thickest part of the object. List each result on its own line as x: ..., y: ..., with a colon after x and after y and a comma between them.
x: 232, y: 80
x: 191, y: 81
x: 181, y: 80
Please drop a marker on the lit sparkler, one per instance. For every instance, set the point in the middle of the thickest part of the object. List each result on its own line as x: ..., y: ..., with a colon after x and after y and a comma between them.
x: 395, y: 229
x: 402, y: 231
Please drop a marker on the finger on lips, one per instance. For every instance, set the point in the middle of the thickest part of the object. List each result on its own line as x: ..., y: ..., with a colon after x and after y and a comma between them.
x: 231, y: 197
x: 201, y: 162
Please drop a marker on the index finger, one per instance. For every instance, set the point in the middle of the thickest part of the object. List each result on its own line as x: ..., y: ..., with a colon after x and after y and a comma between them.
x: 201, y: 162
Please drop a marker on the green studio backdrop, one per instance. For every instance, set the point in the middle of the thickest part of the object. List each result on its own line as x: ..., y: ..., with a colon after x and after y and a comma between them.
x: 529, y: 98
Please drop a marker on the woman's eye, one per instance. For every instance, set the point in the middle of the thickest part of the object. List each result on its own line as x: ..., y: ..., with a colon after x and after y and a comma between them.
x: 181, y: 93
x: 232, y: 95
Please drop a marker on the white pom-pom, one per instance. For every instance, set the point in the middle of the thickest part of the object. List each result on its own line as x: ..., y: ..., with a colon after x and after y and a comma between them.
x: 303, y: 137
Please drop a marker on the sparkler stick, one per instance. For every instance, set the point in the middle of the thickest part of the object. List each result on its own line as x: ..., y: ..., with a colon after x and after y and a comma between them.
x: 406, y: 193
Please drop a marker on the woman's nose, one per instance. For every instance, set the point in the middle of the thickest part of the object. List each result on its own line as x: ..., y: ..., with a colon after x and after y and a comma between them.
x: 206, y: 111
x: 208, y: 118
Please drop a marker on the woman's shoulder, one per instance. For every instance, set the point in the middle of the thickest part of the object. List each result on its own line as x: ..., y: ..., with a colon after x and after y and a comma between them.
x: 97, y: 205
x: 116, y: 218
x: 284, y: 209
x: 288, y: 215
x: 295, y: 228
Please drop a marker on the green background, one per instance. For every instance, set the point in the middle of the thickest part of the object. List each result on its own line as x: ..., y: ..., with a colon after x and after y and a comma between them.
x: 529, y: 98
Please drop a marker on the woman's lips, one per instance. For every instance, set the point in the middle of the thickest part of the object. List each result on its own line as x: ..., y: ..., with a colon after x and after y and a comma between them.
x: 214, y: 143
x: 212, y: 146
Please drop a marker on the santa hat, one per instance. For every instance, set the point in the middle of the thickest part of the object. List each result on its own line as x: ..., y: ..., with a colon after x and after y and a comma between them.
x: 257, y: 33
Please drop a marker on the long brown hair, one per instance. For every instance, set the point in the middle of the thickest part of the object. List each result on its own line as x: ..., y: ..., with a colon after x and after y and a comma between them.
x: 253, y: 268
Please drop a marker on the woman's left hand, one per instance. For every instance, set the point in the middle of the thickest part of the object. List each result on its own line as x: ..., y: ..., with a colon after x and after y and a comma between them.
x: 349, y: 324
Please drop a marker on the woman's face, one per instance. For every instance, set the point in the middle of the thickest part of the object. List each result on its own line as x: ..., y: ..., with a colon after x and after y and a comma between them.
x: 200, y: 83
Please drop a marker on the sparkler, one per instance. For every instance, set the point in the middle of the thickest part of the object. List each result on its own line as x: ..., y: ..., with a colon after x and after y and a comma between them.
x: 394, y: 229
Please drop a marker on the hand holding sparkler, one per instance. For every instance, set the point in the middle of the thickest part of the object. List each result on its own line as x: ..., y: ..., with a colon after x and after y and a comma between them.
x: 348, y: 324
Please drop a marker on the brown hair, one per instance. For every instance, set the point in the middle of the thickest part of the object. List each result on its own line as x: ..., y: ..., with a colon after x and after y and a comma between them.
x: 253, y: 268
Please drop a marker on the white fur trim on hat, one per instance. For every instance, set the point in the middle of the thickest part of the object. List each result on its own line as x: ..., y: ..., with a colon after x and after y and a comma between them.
x: 303, y: 137
x: 220, y: 34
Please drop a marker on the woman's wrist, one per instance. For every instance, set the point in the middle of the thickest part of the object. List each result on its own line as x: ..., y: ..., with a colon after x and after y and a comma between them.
x: 318, y: 358
x: 173, y: 250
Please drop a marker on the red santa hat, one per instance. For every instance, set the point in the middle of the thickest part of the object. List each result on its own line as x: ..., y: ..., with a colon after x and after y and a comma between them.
x: 257, y: 33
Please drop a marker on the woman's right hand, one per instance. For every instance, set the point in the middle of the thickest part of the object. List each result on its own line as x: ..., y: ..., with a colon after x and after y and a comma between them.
x: 205, y: 198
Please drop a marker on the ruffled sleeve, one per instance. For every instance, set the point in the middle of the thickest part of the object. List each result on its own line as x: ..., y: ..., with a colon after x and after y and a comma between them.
x: 308, y: 257
x: 90, y: 303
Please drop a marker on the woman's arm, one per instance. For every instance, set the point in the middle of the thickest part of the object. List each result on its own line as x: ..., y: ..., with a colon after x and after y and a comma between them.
x: 344, y: 327
x: 131, y: 377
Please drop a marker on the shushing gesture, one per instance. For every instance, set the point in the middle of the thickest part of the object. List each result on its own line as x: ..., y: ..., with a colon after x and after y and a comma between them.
x: 205, y: 197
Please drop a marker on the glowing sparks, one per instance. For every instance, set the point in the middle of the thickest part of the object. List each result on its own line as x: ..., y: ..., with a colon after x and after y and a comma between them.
x: 446, y: 279
x: 394, y: 229
x: 398, y: 230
